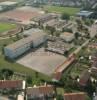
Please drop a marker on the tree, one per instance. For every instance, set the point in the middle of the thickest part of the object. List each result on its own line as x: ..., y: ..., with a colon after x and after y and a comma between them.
x: 36, y: 74
x: 79, y: 24
x: 87, y: 32
x: 57, y: 34
x: 22, y: 29
x: 67, y: 30
x: 76, y: 35
x: 88, y: 22
x: 1, y: 76
x: 51, y: 29
x: 66, y: 53
x: 59, y: 97
x: 29, y: 80
x: 78, y: 21
x: 17, y: 36
x: 7, y: 73
x: 65, y: 16
x: 90, y: 88
x: 3, y: 48
x: 86, y: 5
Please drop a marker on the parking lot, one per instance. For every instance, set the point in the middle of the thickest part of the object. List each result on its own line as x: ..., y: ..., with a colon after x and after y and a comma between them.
x: 41, y: 61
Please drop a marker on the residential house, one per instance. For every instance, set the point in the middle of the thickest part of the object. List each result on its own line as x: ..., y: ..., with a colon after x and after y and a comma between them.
x: 75, y: 96
x: 40, y: 92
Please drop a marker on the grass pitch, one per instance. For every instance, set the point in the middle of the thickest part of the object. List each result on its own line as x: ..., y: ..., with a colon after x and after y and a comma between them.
x: 6, y: 26
x: 68, y: 10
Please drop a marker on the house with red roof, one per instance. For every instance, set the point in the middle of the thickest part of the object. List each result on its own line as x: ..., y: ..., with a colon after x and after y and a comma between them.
x: 75, y: 96
x: 84, y: 78
x: 11, y: 84
x: 40, y: 92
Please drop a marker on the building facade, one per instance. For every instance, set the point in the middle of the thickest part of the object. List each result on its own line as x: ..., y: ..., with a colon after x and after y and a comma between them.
x: 20, y: 47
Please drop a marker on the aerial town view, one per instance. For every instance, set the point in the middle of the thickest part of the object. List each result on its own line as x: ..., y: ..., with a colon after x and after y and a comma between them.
x: 48, y: 49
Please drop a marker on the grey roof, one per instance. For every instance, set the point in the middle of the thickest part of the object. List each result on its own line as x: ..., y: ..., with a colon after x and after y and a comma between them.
x: 84, y: 13
x: 38, y: 90
x: 31, y: 31
x: 26, y: 40
x: 7, y: 3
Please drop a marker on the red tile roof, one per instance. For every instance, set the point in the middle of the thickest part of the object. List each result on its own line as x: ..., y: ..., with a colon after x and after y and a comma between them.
x: 57, y: 76
x: 74, y: 96
x: 66, y: 63
x: 10, y: 84
x: 40, y: 90
x: 33, y: 91
x: 84, y: 78
x: 59, y: 70
x: 46, y: 89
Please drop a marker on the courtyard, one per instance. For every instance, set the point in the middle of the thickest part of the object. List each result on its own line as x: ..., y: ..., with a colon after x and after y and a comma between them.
x: 41, y: 61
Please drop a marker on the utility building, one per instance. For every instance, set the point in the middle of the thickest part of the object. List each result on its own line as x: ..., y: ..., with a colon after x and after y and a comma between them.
x: 67, y: 36
x: 20, y: 47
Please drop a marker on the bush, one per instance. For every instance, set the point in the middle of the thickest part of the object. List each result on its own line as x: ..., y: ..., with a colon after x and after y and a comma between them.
x: 59, y: 97
x: 7, y: 73
x: 29, y: 80
x: 67, y: 30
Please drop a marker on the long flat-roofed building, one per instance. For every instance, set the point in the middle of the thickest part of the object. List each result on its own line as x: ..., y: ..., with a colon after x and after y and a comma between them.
x: 18, y: 48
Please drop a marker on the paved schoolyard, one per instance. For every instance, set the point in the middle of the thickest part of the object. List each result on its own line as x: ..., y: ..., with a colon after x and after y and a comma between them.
x: 41, y: 61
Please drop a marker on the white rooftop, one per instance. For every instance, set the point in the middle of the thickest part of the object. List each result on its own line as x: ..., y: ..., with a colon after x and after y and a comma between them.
x: 8, y: 3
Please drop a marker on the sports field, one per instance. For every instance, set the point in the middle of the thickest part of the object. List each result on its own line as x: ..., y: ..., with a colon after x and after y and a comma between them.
x: 57, y: 9
x: 6, y: 26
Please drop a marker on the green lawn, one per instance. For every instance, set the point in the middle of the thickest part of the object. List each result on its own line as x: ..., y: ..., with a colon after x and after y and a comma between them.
x: 19, y: 68
x: 6, y: 26
x: 57, y: 9
x: 7, y: 41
